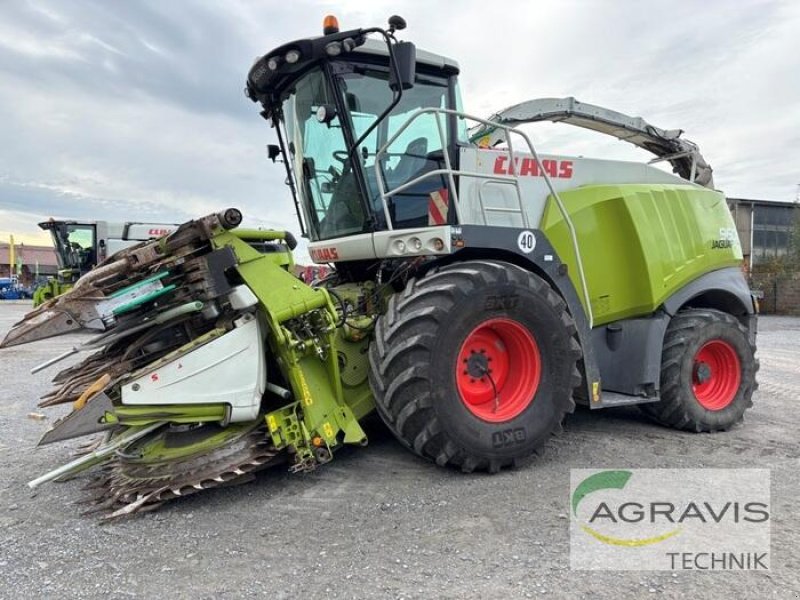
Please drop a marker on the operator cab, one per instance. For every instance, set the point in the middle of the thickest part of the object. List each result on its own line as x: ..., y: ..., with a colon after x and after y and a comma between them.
x: 335, y: 101
x: 75, y: 244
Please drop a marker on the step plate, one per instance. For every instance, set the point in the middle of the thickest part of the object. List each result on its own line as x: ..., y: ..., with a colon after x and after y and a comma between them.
x: 611, y: 399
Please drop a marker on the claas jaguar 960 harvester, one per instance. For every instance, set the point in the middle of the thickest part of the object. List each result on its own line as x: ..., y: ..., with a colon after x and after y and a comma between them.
x: 480, y: 290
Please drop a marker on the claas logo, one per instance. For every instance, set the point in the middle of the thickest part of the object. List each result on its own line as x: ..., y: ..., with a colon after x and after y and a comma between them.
x: 158, y: 232
x: 324, y: 254
x: 561, y: 169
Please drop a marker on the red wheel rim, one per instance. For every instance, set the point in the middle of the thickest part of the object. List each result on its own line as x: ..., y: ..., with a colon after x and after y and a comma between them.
x: 503, y: 352
x: 716, y: 375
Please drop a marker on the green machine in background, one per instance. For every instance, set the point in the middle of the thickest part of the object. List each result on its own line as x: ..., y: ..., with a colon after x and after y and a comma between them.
x: 80, y: 245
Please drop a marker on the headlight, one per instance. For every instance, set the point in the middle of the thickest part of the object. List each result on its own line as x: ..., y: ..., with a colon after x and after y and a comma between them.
x: 326, y: 113
x: 292, y: 56
x: 333, y: 49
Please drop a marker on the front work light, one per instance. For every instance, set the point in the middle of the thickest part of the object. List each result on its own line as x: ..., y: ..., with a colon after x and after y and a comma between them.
x: 333, y: 49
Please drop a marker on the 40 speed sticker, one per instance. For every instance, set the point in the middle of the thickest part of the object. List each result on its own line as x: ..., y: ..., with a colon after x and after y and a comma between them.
x: 526, y: 241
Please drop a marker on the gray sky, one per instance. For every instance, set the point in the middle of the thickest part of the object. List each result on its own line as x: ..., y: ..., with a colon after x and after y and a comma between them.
x: 134, y: 110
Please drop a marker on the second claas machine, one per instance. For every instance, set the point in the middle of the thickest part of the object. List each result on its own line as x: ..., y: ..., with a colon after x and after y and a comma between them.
x: 80, y: 245
x: 480, y: 290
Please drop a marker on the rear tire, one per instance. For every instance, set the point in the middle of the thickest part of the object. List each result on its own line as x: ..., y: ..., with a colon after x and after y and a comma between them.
x: 708, y: 370
x: 431, y: 354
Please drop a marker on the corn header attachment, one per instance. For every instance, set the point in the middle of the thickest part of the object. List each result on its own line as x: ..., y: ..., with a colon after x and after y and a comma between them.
x: 209, y: 361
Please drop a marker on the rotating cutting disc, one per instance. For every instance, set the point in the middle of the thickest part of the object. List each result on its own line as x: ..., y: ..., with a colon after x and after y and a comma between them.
x: 176, y: 461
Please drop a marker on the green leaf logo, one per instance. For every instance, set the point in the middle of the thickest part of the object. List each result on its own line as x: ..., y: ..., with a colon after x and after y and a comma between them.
x: 599, y: 481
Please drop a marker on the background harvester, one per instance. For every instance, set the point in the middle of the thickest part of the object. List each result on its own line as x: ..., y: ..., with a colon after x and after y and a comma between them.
x: 80, y: 245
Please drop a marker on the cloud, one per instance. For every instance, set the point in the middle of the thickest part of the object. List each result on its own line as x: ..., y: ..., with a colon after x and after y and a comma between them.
x: 123, y: 110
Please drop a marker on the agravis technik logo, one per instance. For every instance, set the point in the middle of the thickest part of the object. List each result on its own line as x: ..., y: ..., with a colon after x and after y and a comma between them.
x: 704, y: 519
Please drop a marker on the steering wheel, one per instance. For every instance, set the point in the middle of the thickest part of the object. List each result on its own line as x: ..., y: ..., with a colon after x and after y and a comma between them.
x: 342, y: 156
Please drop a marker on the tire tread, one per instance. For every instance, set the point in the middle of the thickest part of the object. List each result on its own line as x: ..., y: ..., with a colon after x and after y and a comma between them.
x: 402, y: 349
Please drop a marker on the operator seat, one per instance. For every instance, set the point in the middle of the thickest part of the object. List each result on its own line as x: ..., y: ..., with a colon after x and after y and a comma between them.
x: 413, y: 160
x: 409, y: 208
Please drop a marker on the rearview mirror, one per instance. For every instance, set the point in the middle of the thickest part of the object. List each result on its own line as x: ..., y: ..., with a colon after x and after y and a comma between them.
x: 405, y: 59
x: 273, y: 152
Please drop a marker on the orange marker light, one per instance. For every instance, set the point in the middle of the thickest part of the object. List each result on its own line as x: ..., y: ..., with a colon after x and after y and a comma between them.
x: 330, y: 25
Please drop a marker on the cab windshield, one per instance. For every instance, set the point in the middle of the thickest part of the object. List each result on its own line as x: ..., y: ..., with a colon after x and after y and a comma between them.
x: 318, y: 151
x: 74, y: 245
x: 329, y: 188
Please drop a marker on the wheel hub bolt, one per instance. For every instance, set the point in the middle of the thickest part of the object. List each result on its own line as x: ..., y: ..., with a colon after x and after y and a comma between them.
x: 702, y: 372
x: 477, y: 365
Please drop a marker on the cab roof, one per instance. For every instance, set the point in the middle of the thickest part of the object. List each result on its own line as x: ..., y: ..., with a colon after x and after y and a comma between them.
x: 264, y: 84
x: 378, y: 48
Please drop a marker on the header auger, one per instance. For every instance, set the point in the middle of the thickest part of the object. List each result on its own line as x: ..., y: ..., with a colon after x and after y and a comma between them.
x: 480, y: 290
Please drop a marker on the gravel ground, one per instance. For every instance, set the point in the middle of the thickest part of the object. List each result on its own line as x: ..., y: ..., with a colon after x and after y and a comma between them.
x: 378, y: 522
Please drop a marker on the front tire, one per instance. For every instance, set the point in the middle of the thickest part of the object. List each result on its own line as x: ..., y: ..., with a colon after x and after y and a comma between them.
x: 474, y: 365
x: 708, y: 370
